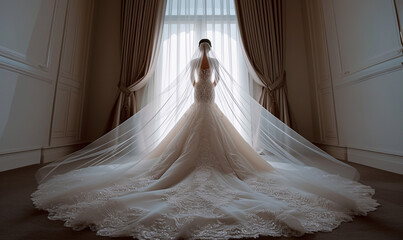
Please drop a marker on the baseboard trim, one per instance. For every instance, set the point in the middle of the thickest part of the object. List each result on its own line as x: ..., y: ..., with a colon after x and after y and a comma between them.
x: 334, y: 151
x: 13, y: 160
x: 51, y: 154
x: 387, y: 162
x: 384, y: 161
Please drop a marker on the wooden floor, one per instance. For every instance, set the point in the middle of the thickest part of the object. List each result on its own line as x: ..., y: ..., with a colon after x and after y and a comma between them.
x: 20, y: 220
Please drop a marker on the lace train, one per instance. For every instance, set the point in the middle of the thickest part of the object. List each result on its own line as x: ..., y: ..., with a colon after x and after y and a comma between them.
x: 206, y: 205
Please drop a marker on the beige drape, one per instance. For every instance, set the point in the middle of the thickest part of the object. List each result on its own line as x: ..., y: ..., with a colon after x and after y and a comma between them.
x: 262, y: 32
x: 141, y: 33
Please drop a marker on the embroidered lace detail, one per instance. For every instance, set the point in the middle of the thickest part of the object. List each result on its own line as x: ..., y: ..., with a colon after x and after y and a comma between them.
x: 204, y: 88
x: 200, y: 208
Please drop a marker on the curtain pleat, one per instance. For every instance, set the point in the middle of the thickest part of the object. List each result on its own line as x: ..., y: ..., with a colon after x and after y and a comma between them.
x: 141, y: 32
x: 262, y: 33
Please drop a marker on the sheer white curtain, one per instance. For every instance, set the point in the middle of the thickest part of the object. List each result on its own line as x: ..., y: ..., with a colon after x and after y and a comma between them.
x: 188, y: 21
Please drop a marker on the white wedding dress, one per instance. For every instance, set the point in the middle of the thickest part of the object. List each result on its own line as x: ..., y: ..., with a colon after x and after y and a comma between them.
x: 202, y: 181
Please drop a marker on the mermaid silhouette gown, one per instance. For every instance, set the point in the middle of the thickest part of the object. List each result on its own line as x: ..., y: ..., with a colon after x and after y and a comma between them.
x: 203, y: 181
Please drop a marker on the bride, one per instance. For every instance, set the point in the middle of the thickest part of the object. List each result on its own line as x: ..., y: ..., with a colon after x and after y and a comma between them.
x: 202, y: 170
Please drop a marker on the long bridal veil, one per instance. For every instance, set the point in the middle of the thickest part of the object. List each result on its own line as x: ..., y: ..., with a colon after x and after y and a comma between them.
x: 131, y: 142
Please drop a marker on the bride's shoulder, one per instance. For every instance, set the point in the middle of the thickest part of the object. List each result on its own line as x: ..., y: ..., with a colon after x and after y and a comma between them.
x: 214, y: 60
x: 193, y: 61
x: 197, y: 61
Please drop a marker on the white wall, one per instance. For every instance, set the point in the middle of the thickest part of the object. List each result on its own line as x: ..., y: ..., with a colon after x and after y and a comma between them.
x: 297, y: 74
x: 363, y: 51
x: 31, y: 52
x: 104, y: 69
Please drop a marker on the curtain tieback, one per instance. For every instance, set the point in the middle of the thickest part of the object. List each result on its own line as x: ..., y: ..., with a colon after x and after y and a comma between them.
x: 125, y: 90
x: 269, y: 90
x: 279, y: 82
x: 128, y: 104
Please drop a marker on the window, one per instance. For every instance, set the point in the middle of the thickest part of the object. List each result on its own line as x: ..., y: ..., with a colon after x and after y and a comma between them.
x: 188, y: 21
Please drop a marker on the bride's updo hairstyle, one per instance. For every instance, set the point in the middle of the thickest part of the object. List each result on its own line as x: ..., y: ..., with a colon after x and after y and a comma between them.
x: 205, y: 40
x: 204, y: 44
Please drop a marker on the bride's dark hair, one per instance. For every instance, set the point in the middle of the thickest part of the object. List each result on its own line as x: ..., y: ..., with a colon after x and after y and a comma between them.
x: 205, y: 40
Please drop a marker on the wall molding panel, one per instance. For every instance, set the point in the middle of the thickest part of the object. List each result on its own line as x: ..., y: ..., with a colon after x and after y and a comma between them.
x: 61, y: 111
x: 42, y: 70
x: 373, y: 72
x: 43, y: 67
x: 346, y: 21
x: 327, y: 115
x: 69, y: 104
x: 321, y: 73
x: 26, y: 59
x: 365, y: 65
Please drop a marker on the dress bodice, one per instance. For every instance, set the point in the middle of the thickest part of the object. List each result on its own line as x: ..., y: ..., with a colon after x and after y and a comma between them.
x: 204, y: 88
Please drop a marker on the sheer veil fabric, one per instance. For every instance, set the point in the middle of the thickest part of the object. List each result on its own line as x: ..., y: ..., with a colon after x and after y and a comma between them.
x: 211, y: 163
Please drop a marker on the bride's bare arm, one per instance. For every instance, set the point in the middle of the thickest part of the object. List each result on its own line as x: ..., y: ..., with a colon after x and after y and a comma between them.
x: 192, y: 73
x: 217, y: 72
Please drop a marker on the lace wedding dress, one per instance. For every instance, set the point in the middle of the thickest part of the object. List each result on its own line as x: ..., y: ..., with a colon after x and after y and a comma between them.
x: 202, y: 181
